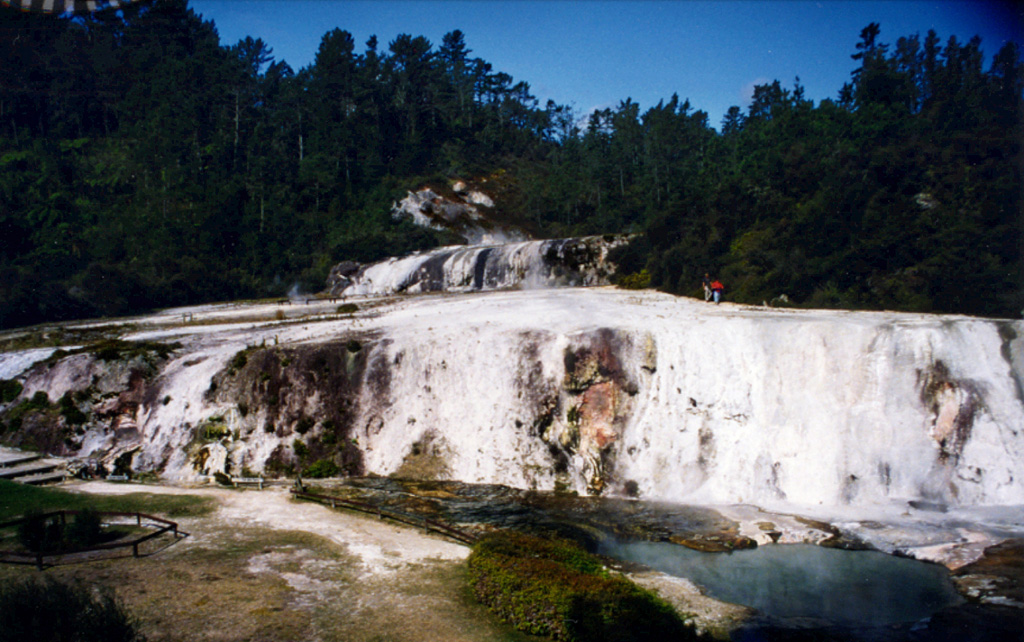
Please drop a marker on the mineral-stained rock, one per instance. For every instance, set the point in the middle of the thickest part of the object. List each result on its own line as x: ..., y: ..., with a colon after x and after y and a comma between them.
x: 996, y: 578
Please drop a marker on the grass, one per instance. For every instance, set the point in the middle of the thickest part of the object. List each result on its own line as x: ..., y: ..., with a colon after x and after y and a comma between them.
x: 18, y: 499
x: 553, y: 587
x: 229, y: 582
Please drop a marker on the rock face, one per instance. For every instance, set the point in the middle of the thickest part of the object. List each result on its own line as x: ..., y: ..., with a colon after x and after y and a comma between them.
x: 528, y: 264
x: 496, y: 257
x: 596, y: 390
x: 463, y: 213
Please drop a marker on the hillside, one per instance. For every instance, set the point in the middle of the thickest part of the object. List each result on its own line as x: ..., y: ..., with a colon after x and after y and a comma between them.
x: 160, y: 167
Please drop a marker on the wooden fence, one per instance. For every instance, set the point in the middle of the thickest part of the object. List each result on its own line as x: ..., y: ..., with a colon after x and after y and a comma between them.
x: 39, y: 558
x: 413, y: 520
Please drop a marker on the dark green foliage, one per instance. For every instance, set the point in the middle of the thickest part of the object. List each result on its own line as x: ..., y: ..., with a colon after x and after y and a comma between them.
x: 240, y: 359
x: 212, y: 429
x: 192, y: 171
x: 304, y: 425
x: 635, y: 281
x: 85, y: 529
x: 52, y: 611
x: 347, y: 308
x: 322, y: 468
x: 39, y: 403
x: 54, y: 532
x: 41, y: 533
x: 555, y: 588
x: 70, y: 411
x: 353, y: 346
x: 116, y: 349
x: 9, y: 390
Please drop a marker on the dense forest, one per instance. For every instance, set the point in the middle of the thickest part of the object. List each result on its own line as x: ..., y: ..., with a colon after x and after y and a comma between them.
x: 145, y: 164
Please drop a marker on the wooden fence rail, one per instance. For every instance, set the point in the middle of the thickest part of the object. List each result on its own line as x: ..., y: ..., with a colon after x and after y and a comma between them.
x: 413, y: 520
x: 38, y: 558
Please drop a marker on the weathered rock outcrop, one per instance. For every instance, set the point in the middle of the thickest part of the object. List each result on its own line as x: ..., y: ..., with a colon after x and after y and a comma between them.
x: 594, y: 390
x: 86, y: 399
x: 462, y: 210
x: 526, y: 265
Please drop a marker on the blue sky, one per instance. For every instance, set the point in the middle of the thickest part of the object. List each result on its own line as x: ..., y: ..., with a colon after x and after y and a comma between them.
x: 593, y: 54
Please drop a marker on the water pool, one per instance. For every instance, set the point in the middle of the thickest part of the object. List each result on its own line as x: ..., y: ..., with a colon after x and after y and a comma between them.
x: 847, y: 588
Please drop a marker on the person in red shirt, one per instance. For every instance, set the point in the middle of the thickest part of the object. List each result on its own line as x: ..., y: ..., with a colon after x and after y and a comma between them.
x: 716, y: 290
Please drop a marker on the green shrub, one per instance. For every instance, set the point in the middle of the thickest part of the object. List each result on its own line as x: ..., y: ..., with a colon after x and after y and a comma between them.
x: 116, y: 349
x: 555, y: 588
x: 347, y: 308
x: 300, y: 448
x: 322, y: 468
x: 40, y: 533
x: 635, y: 281
x: 70, y: 411
x: 46, y: 533
x: 40, y: 400
x: 240, y: 359
x: 85, y: 530
x: 353, y: 346
x: 304, y: 425
x: 213, y: 429
x: 51, y: 611
x: 9, y: 390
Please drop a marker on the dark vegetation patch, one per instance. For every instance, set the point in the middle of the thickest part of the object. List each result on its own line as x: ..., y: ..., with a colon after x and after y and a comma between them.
x: 47, y: 610
x: 150, y: 352
x: 553, y: 587
x: 9, y: 390
x: 36, y: 424
x: 49, y: 533
x: 842, y: 202
x: 1009, y: 335
x: 634, y: 280
x: 321, y: 469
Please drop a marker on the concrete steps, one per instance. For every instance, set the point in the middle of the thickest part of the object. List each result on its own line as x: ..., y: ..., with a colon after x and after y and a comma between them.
x: 30, y: 468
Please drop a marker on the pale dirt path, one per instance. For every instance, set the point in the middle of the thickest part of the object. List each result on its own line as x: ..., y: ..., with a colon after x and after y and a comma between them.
x: 382, y: 547
x: 389, y: 583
